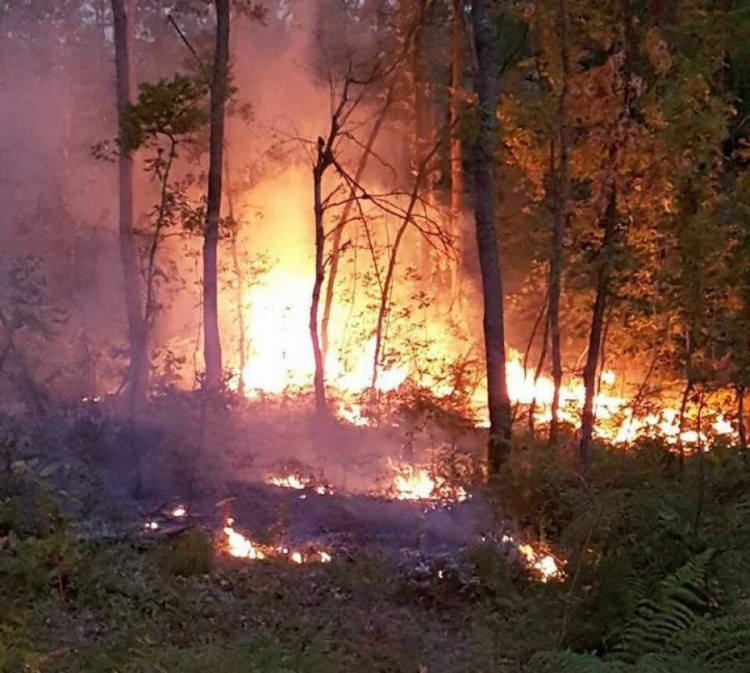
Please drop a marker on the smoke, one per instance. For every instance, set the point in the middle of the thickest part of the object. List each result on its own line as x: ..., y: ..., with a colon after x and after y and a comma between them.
x: 60, y: 201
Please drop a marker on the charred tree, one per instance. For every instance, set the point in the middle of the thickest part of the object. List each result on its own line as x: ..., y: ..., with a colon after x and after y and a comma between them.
x: 323, y: 161
x: 487, y: 89
x: 387, y: 285
x: 423, y: 118
x: 454, y: 110
x: 560, y: 216
x: 339, y: 229
x: 219, y: 89
x: 239, y: 275
x: 591, y: 368
x: 138, y: 365
x: 610, y: 224
x: 741, y: 427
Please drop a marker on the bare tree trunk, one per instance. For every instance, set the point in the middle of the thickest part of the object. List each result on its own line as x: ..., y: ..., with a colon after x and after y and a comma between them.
x: 138, y: 366
x: 385, y: 292
x: 454, y: 108
x: 562, y: 196
x: 321, y: 406
x: 689, y: 385
x: 211, y: 337
x: 338, y: 231
x: 487, y: 89
x: 423, y: 125
x: 239, y: 275
x: 606, y: 253
x: 323, y: 161
x: 590, y: 369
x: 741, y: 428
x: 537, y: 375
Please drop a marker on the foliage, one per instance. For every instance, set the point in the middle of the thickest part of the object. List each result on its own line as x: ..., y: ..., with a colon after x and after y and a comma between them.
x: 174, y: 108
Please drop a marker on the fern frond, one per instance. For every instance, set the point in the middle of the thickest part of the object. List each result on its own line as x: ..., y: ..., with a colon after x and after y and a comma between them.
x: 723, y: 643
x: 574, y: 662
x: 680, y: 604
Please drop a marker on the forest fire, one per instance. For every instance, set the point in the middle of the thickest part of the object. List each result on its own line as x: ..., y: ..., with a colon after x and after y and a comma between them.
x: 617, y: 421
x: 239, y: 546
x: 416, y: 483
x: 541, y: 562
x: 298, y: 482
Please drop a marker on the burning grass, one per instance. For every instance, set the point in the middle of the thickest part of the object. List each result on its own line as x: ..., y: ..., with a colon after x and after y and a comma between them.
x: 176, y: 599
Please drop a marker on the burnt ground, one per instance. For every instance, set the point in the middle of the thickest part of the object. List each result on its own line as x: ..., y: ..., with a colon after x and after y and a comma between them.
x: 202, y: 459
x: 402, y: 593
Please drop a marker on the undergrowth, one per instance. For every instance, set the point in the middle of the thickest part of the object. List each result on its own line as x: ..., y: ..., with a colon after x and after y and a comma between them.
x: 657, y: 578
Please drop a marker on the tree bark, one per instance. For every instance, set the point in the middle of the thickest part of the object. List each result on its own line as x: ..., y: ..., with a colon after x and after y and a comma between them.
x: 339, y: 230
x: 741, y: 427
x: 323, y: 162
x: 138, y: 365
x: 607, y: 249
x: 239, y: 276
x: 454, y: 109
x: 211, y: 337
x: 562, y: 196
x: 590, y: 369
x: 487, y: 89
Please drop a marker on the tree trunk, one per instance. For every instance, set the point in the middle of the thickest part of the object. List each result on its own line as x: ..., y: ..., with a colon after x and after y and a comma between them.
x: 138, y: 365
x: 741, y: 428
x: 606, y: 252
x: 590, y: 369
x: 562, y: 196
x: 423, y: 128
x: 321, y: 406
x: 211, y: 338
x: 457, y: 181
x: 487, y: 88
x: 385, y: 290
x: 339, y: 230
x: 239, y: 276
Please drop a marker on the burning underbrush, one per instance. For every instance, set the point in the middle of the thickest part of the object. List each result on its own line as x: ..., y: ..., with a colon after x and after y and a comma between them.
x: 295, y: 515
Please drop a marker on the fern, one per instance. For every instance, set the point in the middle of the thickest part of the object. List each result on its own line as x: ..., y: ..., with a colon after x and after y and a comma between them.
x: 573, y: 662
x: 680, y: 604
x: 720, y: 644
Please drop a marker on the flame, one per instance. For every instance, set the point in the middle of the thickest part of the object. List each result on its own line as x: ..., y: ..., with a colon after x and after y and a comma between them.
x: 240, y: 546
x: 616, y: 421
x: 416, y: 483
x: 545, y: 564
x: 298, y: 482
x: 289, y: 481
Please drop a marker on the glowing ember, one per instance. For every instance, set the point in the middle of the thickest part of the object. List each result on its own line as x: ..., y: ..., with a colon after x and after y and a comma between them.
x: 299, y: 482
x: 543, y: 563
x: 289, y: 481
x: 239, y: 546
x: 412, y: 483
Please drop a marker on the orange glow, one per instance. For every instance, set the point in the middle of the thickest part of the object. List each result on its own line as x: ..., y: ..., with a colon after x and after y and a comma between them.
x: 541, y: 562
x: 424, y: 332
x: 239, y: 546
x: 416, y: 483
x: 298, y: 482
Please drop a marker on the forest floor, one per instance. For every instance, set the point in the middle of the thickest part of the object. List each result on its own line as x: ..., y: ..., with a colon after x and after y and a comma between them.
x: 83, y: 587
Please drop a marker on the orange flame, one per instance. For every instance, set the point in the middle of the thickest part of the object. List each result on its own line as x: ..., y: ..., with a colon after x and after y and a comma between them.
x: 544, y: 564
x: 413, y: 483
x: 298, y: 482
x: 240, y: 546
